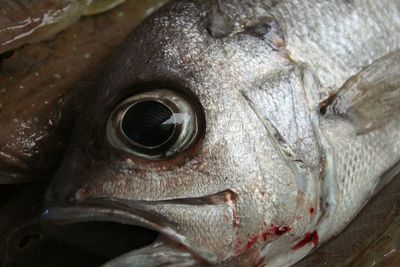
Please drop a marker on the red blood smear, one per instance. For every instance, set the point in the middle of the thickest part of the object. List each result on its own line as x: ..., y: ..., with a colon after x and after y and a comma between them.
x: 312, y: 210
x: 309, y: 237
x: 275, y: 230
x: 281, y: 230
x: 265, y: 235
x: 252, y: 241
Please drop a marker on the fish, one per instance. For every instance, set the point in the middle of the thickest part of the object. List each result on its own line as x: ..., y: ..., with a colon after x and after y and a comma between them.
x: 41, y: 89
x: 24, y: 243
x: 23, y: 22
x: 374, y: 236
x: 244, y: 133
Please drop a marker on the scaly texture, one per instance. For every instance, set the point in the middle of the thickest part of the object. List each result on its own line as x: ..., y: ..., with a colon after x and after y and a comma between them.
x: 339, y: 38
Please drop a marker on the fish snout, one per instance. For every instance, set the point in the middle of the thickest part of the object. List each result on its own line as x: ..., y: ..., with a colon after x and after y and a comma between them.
x: 71, y: 182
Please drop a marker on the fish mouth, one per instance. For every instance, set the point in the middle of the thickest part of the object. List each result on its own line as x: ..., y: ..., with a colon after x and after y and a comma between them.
x: 149, y: 241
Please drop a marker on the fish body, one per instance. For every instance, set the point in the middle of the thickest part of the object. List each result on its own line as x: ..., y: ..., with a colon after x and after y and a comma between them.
x: 285, y: 118
x: 374, y: 235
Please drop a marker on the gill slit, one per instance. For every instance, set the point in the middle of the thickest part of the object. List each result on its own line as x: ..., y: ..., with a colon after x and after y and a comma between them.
x: 328, y: 184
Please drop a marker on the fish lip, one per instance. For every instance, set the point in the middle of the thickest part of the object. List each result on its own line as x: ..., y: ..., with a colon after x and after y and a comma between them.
x: 93, y: 211
x: 134, y: 213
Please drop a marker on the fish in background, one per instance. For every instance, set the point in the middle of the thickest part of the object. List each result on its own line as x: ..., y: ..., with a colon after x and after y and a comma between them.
x: 245, y: 133
x: 27, y: 21
x: 23, y: 242
x: 42, y: 85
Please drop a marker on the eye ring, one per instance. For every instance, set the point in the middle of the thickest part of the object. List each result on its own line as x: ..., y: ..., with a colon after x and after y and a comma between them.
x: 155, y: 125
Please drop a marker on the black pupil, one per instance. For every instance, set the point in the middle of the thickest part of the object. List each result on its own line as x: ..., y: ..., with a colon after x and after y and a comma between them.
x: 148, y: 123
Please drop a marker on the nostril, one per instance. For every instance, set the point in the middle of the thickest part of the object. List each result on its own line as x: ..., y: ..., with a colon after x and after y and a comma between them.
x: 82, y: 193
x: 79, y: 195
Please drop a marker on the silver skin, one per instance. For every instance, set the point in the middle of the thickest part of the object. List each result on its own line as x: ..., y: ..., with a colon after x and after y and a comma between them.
x: 268, y: 159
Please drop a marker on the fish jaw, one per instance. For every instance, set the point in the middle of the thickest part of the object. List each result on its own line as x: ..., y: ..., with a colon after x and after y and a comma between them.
x: 190, y: 230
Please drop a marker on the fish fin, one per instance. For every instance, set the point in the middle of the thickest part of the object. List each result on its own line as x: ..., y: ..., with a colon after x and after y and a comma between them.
x: 371, y: 98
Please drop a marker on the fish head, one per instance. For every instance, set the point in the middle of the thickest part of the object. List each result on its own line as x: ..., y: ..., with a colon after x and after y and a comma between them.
x: 168, y: 141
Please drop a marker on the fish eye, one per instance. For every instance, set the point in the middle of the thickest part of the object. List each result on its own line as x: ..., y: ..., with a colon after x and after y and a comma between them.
x: 156, y: 124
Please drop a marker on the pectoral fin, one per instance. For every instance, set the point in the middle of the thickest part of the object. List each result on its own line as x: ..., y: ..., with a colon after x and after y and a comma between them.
x: 371, y: 98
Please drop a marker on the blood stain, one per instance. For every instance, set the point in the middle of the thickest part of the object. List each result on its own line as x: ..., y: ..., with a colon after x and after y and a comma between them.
x: 281, y: 230
x: 265, y: 235
x: 309, y: 237
x: 275, y: 230
x: 252, y: 241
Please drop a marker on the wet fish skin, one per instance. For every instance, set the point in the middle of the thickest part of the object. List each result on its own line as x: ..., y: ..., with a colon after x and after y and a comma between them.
x: 272, y: 177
